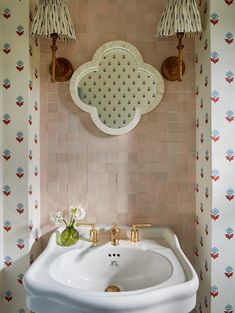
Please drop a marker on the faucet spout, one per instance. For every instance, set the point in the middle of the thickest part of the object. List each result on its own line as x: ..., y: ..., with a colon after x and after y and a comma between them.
x: 115, y: 235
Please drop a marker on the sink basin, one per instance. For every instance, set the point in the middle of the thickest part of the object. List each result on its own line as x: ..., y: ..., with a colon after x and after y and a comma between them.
x: 129, y: 268
x: 150, y: 276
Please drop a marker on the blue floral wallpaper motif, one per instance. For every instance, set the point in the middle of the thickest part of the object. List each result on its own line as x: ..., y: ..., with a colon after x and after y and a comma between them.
x: 215, y: 125
x: 19, y: 88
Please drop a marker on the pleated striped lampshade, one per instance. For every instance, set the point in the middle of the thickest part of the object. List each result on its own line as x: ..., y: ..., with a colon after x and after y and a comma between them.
x: 53, y: 17
x: 180, y: 16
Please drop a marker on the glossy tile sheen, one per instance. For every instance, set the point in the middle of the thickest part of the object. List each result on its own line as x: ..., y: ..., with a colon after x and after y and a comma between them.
x: 147, y: 175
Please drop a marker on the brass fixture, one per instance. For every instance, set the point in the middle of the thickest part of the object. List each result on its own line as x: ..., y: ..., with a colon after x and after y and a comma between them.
x: 112, y: 289
x: 135, y: 231
x: 180, y: 19
x: 53, y: 21
x: 115, y: 235
x: 173, y: 67
x: 61, y: 69
x: 93, y: 237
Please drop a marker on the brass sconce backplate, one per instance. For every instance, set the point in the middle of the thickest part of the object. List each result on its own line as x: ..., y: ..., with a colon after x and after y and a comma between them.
x: 170, y: 68
x: 63, y: 70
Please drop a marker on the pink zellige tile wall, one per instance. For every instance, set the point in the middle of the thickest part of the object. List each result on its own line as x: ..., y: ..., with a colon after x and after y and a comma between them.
x: 147, y: 175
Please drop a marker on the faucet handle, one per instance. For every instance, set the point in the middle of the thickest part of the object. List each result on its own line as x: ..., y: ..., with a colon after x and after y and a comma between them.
x: 93, y: 237
x: 93, y: 234
x: 135, y: 231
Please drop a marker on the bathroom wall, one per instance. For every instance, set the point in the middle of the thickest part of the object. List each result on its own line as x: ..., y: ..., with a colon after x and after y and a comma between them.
x: 223, y: 164
x: 20, y: 187
x: 204, y: 161
x: 147, y: 175
x: 216, y: 216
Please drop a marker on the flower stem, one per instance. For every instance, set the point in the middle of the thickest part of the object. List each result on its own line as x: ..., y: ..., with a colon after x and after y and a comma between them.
x: 65, y: 222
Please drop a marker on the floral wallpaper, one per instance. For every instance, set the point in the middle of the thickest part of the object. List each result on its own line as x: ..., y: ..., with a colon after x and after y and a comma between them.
x: 215, y: 123
x: 203, y: 157
x: 20, y: 149
x: 215, y: 158
x: 1, y: 169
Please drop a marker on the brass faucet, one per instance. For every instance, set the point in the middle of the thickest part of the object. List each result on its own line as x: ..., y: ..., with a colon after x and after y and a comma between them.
x: 115, y: 235
x: 93, y: 237
x: 135, y: 231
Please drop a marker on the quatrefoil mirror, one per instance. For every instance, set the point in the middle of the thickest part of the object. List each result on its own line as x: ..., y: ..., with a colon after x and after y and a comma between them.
x: 116, y: 87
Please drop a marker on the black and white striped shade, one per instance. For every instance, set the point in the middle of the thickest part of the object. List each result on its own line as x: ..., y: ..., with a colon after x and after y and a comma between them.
x: 53, y: 17
x: 180, y: 16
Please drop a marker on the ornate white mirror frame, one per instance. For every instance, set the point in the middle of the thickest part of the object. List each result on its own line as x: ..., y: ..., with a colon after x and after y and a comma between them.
x: 116, y: 87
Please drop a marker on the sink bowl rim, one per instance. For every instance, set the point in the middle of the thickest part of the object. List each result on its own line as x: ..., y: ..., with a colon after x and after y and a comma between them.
x: 119, y: 249
x: 141, y: 297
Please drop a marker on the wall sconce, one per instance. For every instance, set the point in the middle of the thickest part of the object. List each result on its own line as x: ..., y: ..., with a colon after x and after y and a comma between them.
x: 180, y: 18
x: 54, y: 22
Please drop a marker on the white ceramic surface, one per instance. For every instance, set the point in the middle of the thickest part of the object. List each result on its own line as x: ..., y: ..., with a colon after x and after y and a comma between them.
x: 153, y: 275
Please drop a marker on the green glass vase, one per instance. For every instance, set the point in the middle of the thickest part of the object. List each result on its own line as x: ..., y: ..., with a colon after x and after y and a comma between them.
x: 69, y: 236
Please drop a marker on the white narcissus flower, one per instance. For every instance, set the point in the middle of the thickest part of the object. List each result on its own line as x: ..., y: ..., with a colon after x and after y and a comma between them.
x: 75, y: 215
x: 52, y: 218
x: 59, y: 216
x: 78, y: 213
x: 73, y: 210
x: 81, y: 214
x: 56, y: 218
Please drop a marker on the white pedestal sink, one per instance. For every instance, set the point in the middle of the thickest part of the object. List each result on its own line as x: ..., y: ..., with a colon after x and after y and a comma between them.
x: 153, y: 276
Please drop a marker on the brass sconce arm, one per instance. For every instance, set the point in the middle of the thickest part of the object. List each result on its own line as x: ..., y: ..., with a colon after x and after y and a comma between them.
x: 54, y: 48
x: 61, y: 69
x: 173, y: 67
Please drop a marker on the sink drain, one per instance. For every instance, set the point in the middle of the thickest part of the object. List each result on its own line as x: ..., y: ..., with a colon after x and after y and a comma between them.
x: 112, y: 289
